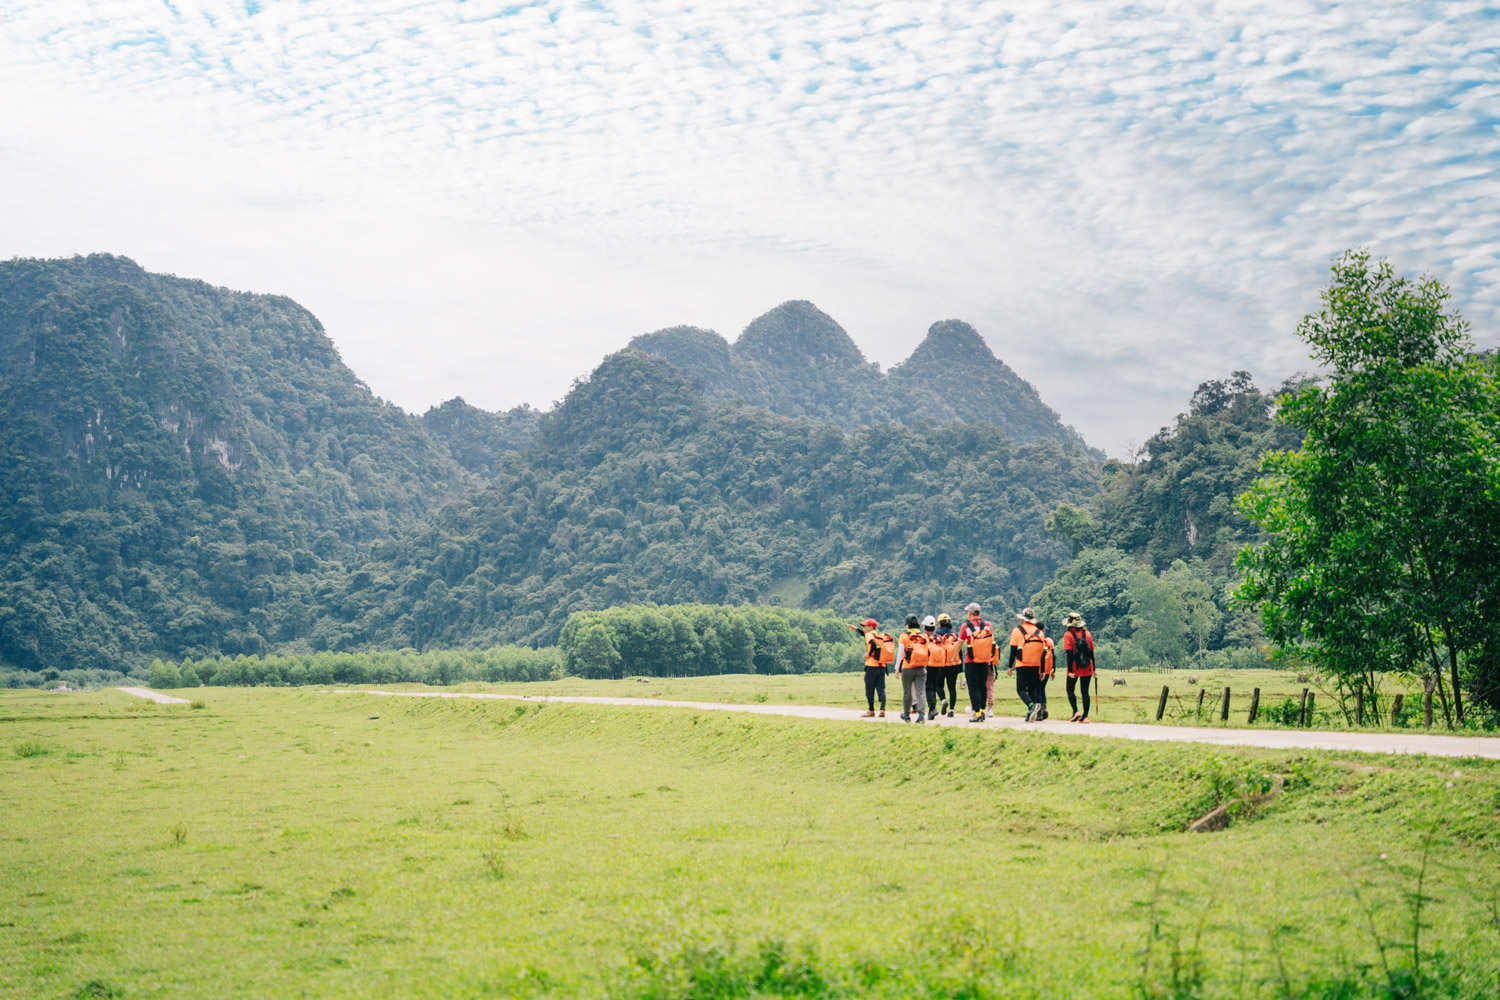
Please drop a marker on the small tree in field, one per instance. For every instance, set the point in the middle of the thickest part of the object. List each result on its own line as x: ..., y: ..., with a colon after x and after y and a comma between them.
x: 1384, y: 527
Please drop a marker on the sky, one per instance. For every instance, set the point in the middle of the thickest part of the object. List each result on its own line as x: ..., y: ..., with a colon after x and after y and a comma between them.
x: 485, y: 198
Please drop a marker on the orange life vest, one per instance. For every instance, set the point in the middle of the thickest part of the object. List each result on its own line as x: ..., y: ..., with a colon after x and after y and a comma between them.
x: 982, y: 646
x: 1034, y: 643
x: 918, y: 652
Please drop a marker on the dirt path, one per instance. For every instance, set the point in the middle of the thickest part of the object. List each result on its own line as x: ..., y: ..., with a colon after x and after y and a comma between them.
x: 1438, y: 746
x: 160, y: 699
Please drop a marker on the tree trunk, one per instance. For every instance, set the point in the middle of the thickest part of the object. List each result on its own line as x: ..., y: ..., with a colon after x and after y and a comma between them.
x: 1458, y: 698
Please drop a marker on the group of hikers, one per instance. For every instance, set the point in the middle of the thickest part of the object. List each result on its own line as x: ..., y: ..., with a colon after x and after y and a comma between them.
x: 930, y: 655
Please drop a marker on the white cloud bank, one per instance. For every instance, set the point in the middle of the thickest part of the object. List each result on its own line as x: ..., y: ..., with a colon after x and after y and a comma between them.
x: 483, y: 198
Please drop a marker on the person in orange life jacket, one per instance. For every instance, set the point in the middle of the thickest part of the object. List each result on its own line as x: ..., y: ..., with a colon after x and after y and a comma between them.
x: 944, y: 666
x: 980, y: 654
x: 874, y: 667
x: 912, y: 654
x: 1028, y: 651
x: 1078, y: 647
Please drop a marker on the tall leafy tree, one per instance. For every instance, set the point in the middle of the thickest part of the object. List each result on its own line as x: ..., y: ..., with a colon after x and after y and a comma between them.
x: 1384, y: 526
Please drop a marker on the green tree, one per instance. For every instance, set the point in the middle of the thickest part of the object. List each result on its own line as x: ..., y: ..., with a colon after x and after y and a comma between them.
x: 1384, y: 526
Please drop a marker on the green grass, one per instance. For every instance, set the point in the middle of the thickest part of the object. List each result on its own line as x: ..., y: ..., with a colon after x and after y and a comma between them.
x: 280, y: 842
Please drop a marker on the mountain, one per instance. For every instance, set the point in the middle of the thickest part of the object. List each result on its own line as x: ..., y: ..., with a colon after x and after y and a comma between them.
x: 642, y: 487
x: 179, y: 464
x: 475, y: 437
x: 797, y: 361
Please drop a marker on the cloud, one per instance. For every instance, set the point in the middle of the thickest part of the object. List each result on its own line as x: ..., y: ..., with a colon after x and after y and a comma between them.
x: 1151, y: 195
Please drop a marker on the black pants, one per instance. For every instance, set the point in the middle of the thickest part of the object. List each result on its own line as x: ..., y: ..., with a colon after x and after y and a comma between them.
x: 937, y: 677
x: 875, y: 682
x: 975, y: 674
x: 1029, y: 686
x: 1082, y: 682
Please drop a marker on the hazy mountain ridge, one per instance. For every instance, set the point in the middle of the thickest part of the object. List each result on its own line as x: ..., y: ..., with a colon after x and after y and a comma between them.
x: 797, y: 361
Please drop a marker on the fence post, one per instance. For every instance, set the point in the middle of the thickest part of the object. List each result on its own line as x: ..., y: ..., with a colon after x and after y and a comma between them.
x: 1310, y: 699
x: 1302, y: 710
x: 1359, y: 708
x: 1161, y: 706
x: 1396, y: 708
x: 1201, y: 693
x: 1224, y: 709
x: 1254, y: 706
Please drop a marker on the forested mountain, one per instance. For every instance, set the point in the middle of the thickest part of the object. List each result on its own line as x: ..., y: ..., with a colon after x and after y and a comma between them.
x: 796, y: 361
x: 1155, y: 549
x: 475, y: 437
x: 642, y: 488
x: 180, y: 464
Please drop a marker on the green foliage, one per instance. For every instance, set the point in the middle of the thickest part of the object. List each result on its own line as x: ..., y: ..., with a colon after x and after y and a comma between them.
x: 691, y: 640
x: 438, y: 667
x: 1384, y: 526
x: 643, y: 490
x: 179, y: 464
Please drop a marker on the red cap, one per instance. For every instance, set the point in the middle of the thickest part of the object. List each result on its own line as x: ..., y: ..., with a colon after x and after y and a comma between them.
x: 871, y: 623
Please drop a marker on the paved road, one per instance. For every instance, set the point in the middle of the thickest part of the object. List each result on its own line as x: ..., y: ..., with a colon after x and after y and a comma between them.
x: 1438, y: 746
x: 156, y: 696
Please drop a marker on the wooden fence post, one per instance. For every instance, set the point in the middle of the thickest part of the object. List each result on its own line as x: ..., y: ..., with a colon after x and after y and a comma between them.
x: 1161, y: 706
x: 1302, y: 709
x: 1201, y: 693
x: 1310, y: 699
x: 1224, y: 709
x: 1396, y: 708
x: 1254, y: 705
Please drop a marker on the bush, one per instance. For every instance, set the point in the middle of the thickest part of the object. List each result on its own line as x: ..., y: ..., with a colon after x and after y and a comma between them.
x: 164, y: 675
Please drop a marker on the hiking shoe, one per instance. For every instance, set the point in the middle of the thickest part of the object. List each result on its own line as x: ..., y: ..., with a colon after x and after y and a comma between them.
x: 921, y: 718
x: 905, y: 717
x: 943, y: 706
x: 882, y: 713
x: 976, y: 717
x: 867, y: 715
x: 1036, y: 710
x: 1044, y: 714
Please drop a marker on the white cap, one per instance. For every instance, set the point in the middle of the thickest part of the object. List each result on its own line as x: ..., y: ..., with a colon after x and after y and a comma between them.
x: 929, y: 620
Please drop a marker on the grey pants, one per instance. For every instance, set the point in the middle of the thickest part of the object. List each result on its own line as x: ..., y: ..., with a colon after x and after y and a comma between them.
x: 913, y: 689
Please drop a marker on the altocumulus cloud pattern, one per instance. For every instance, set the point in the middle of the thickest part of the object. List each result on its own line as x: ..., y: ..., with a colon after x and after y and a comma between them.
x: 1161, y: 186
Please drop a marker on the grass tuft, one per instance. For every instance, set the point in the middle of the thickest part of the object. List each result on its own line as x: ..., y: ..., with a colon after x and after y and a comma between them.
x: 29, y: 748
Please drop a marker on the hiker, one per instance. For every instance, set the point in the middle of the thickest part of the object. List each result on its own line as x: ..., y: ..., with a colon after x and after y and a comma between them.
x: 1078, y: 650
x: 912, y: 655
x: 880, y: 650
x: 1029, y: 647
x: 944, y: 666
x: 981, y: 655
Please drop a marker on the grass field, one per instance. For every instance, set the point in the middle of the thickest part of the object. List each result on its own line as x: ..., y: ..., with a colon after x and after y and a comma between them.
x: 284, y: 843
x: 1134, y: 701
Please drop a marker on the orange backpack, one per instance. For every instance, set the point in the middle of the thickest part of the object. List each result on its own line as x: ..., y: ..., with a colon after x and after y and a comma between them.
x: 1033, y: 645
x: 918, y: 652
x: 946, y: 653
x: 887, y: 648
x: 982, y: 645
x: 1049, y: 659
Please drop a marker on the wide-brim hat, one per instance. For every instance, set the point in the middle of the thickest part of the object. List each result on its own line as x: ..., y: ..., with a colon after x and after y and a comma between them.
x: 1026, y: 615
x: 1073, y: 618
